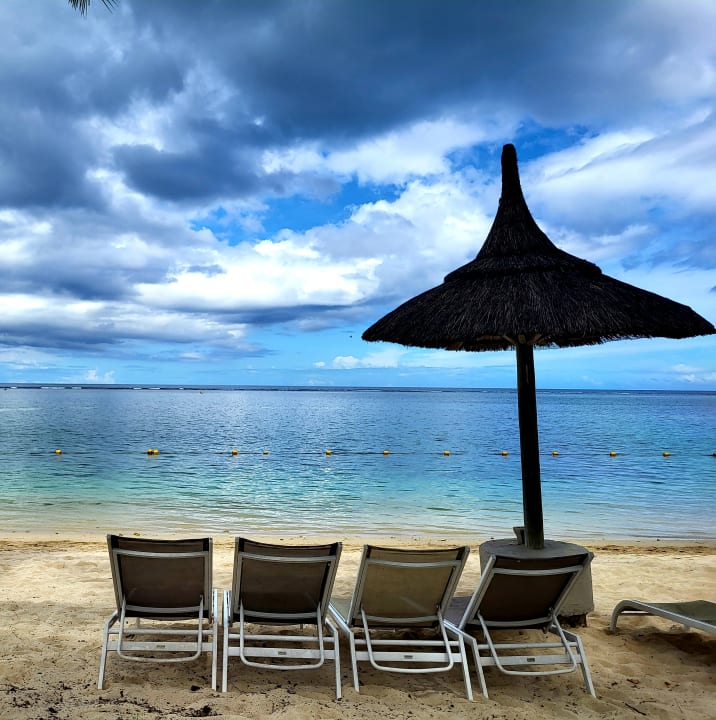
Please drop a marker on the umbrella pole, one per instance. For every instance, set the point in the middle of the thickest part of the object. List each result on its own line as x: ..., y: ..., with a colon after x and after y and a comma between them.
x: 529, y: 447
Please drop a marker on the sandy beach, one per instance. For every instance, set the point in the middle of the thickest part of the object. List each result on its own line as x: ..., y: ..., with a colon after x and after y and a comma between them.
x: 56, y: 591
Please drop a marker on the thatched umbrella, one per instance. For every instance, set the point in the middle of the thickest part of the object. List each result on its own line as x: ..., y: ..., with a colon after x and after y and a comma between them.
x: 521, y: 291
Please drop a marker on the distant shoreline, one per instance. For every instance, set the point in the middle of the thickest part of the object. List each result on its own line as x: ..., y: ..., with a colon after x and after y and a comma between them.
x: 191, y: 387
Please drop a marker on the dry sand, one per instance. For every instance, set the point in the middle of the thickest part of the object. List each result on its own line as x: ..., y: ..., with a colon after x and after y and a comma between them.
x: 55, y: 593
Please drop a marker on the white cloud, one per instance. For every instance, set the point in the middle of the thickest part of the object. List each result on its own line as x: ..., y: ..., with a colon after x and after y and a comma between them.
x: 386, y: 358
x: 93, y: 376
x: 418, y: 150
x: 693, y: 375
x: 108, y: 254
x: 617, y: 177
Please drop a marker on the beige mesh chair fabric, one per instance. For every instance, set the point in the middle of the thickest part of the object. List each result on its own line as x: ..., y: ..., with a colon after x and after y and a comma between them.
x: 697, y: 614
x: 397, y: 591
x: 524, y: 594
x: 275, y: 586
x: 158, y: 583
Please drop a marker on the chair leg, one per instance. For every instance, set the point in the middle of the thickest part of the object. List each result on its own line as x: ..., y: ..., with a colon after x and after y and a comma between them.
x: 105, y: 641
x: 354, y: 662
x: 478, y: 666
x: 465, y: 667
x: 227, y: 629
x: 102, y: 663
x: 586, y: 674
x: 214, y: 631
x: 336, y: 660
x: 214, y: 648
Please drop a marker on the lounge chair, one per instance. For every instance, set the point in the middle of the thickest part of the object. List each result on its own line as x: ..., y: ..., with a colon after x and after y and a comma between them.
x: 399, y: 592
x: 698, y: 614
x: 275, y: 587
x: 520, y: 595
x: 158, y: 582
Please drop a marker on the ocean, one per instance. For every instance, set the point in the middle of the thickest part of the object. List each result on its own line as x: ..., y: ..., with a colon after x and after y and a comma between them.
x: 353, y: 462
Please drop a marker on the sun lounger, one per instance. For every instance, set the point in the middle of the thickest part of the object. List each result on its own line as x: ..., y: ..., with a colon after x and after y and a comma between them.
x: 399, y: 592
x: 159, y: 583
x: 276, y: 587
x: 521, y: 595
x: 698, y: 614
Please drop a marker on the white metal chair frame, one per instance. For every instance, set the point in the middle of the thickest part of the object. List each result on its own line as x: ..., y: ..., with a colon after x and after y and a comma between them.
x: 117, y: 635
x: 380, y: 651
x: 282, y: 646
x: 570, y: 659
x: 676, y: 612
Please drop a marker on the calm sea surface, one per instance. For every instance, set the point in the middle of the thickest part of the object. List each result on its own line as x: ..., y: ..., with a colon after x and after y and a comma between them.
x: 283, y: 481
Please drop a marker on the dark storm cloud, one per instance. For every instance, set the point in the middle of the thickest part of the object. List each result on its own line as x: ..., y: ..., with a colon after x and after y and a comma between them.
x: 81, y: 256
x: 49, y: 333
x: 201, y: 175
x: 317, y: 69
x: 54, y: 79
x: 340, y: 68
x: 43, y: 161
x: 119, y: 130
x: 331, y: 72
x: 282, y: 315
x: 337, y: 71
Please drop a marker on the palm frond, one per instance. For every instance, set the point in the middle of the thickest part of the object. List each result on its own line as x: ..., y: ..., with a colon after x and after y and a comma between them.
x: 83, y: 5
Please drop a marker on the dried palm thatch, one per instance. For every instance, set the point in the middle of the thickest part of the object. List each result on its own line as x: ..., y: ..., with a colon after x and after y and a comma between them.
x: 522, y: 291
x: 521, y: 285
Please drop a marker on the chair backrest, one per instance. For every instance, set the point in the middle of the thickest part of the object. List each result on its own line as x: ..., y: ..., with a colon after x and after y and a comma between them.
x: 399, y: 588
x: 523, y: 592
x: 161, y: 578
x: 284, y: 584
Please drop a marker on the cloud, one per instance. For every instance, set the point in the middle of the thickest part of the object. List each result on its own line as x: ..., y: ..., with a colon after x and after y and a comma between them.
x: 386, y: 358
x: 176, y: 178
x: 93, y: 376
x: 693, y: 375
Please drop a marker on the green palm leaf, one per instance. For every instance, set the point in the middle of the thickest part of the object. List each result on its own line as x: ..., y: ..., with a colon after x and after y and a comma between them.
x: 83, y: 5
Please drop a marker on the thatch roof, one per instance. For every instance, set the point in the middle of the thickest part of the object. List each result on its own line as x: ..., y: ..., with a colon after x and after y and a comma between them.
x: 522, y: 288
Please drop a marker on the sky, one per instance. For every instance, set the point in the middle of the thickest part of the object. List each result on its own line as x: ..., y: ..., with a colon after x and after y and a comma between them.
x: 220, y: 192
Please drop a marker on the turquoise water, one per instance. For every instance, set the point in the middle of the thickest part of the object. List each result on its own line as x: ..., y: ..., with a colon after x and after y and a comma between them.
x: 282, y: 480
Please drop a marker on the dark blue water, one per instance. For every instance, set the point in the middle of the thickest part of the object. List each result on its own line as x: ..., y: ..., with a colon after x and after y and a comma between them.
x: 283, y: 481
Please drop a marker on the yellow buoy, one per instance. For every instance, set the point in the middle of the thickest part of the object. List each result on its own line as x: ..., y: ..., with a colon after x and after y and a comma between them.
x: 329, y: 452
x: 504, y: 453
x: 555, y: 453
x: 385, y: 452
x: 265, y: 452
x: 234, y: 452
x: 666, y: 453
x: 612, y: 454
x: 150, y: 451
x: 446, y: 452
x: 58, y: 451
x: 155, y: 451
